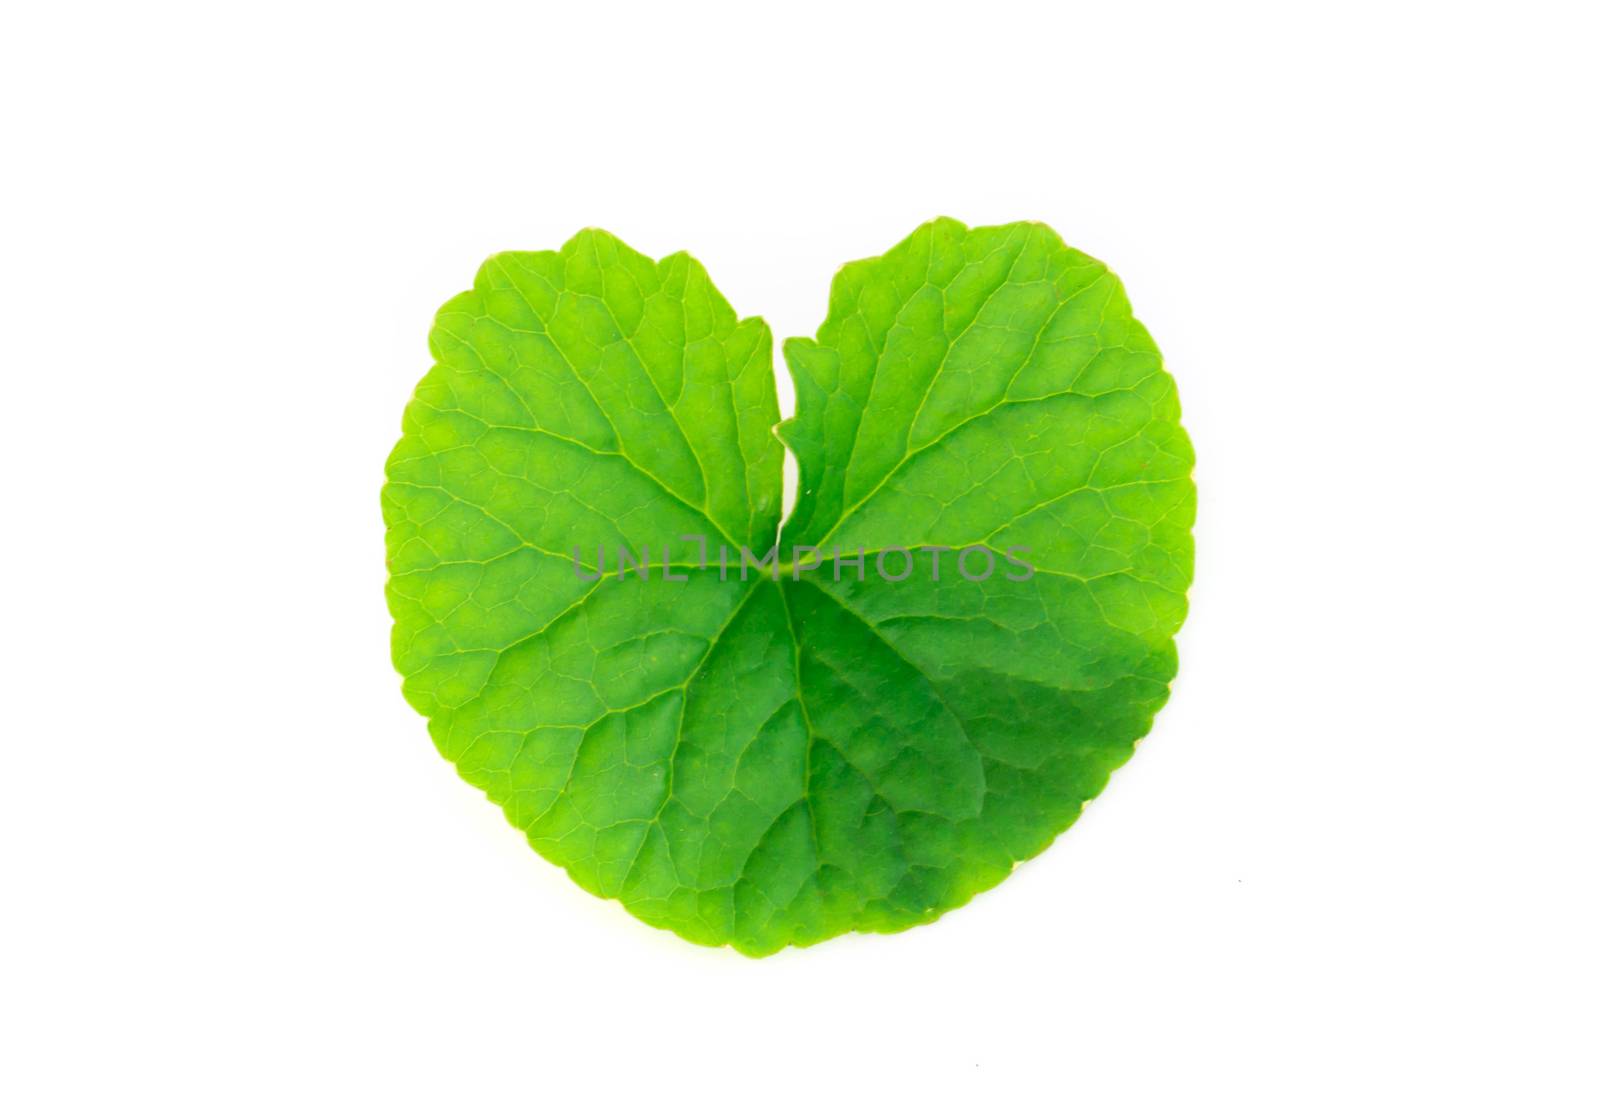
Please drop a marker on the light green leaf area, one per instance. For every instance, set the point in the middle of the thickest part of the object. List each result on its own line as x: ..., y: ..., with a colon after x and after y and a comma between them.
x: 770, y: 762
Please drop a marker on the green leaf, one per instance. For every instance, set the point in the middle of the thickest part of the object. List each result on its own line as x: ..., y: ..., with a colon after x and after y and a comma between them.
x: 762, y: 761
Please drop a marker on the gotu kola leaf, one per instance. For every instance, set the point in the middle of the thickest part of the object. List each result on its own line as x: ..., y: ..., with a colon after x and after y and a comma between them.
x: 873, y: 729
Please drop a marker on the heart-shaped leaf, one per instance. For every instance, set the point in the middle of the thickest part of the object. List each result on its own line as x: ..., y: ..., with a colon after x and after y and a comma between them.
x: 966, y: 628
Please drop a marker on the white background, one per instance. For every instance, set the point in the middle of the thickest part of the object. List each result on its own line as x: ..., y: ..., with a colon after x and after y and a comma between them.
x: 1351, y: 871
